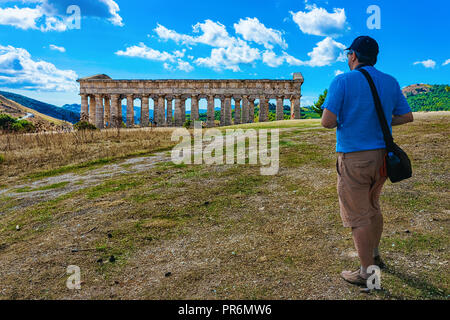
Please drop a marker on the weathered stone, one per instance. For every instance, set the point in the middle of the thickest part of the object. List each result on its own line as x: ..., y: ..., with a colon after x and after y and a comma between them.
x: 101, y: 87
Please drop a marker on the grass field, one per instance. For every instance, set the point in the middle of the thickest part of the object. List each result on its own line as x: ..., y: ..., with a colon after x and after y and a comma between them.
x: 212, y: 232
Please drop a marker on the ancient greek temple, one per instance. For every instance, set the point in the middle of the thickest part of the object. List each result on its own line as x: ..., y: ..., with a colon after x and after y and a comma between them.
x: 101, y: 100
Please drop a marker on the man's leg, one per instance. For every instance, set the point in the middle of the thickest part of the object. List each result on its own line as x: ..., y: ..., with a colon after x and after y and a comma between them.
x: 377, y: 230
x: 364, y: 244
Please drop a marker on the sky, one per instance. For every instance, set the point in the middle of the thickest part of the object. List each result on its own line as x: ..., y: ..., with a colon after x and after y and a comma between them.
x: 46, y: 45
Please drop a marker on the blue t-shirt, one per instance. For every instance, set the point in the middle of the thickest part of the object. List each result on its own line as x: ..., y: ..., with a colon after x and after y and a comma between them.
x: 350, y: 99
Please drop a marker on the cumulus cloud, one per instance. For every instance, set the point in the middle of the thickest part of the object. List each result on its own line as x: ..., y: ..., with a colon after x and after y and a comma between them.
x: 325, y: 53
x: 230, y: 57
x: 56, y: 48
x: 229, y: 52
x: 211, y: 33
x: 19, y: 71
x: 338, y: 72
x: 446, y: 62
x: 113, y: 9
x: 427, y: 63
x: 51, y: 15
x: 21, y: 18
x: 320, y: 22
x: 253, y: 30
x: 142, y: 51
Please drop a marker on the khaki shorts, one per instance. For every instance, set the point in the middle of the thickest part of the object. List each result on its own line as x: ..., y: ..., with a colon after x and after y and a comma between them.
x: 360, y: 180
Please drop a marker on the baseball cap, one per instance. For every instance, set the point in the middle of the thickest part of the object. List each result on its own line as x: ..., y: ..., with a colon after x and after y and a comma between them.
x: 365, y: 47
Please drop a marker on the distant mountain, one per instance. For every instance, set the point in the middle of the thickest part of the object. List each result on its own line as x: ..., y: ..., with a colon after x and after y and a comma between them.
x: 42, y: 107
x: 425, y: 97
x: 72, y: 107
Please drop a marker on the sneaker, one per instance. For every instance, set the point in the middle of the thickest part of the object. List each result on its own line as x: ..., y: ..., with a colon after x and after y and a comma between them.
x: 379, y: 262
x: 354, y: 277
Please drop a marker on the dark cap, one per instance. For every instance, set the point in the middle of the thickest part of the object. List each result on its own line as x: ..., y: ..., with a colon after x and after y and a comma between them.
x: 366, y: 47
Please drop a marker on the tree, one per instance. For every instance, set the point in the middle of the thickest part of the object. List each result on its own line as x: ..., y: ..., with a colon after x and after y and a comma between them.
x: 317, y: 107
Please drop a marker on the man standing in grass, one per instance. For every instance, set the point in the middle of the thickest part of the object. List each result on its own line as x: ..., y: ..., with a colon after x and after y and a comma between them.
x: 349, y: 107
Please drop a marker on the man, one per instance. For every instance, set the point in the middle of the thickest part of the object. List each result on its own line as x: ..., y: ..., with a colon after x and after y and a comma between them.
x: 349, y: 107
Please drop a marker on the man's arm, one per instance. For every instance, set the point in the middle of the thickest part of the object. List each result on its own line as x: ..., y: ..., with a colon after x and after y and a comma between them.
x: 402, y: 119
x: 329, y: 119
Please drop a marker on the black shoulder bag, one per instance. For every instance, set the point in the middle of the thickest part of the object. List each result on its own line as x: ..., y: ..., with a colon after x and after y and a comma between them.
x: 397, y: 161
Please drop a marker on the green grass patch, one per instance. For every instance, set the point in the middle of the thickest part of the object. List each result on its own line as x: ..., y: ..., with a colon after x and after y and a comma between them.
x: 49, y: 187
x: 413, y: 242
x: 114, y: 185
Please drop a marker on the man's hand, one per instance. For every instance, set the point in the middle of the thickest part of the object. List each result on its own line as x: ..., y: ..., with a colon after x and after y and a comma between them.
x: 329, y: 119
x: 402, y: 119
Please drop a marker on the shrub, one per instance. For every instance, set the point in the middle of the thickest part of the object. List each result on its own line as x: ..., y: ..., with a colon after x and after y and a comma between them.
x: 2, y: 159
x: 84, y: 125
x: 10, y: 124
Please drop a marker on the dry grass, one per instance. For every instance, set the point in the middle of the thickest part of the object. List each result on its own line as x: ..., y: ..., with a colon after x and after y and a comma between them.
x: 30, y: 153
x: 226, y: 232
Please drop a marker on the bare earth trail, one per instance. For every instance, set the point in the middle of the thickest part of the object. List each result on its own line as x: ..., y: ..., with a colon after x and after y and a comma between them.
x: 144, y: 228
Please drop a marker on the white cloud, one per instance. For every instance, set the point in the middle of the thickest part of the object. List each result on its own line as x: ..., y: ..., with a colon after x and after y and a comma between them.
x: 22, y: 18
x: 212, y: 33
x: 320, y: 22
x: 142, y: 51
x: 230, y: 57
x: 56, y: 48
x: 253, y: 30
x: 427, y: 63
x: 446, y: 62
x: 326, y: 52
x: 50, y: 15
x: 271, y: 59
x: 227, y: 52
x: 19, y: 71
x: 114, y: 9
x: 338, y: 72
x: 184, y: 66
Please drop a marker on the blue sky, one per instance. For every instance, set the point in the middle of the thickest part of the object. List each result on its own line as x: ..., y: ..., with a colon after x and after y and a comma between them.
x: 41, y: 54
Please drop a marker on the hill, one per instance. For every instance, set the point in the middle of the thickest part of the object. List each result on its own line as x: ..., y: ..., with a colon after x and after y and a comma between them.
x: 42, y: 107
x: 41, y: 121
x: 425, y: 97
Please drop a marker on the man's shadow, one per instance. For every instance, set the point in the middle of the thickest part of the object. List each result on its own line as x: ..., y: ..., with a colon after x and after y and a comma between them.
x: 427, y: 289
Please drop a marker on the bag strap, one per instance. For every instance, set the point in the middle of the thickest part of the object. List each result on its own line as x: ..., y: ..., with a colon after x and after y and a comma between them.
x: 388, y: 139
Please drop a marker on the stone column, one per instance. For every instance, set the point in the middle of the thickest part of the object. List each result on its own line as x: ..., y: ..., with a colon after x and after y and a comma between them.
x: 263, y: 109
x: 107, y: 115
x: 222, y: 110
x: 116, y: 114
x: 169, y: 111
x: 251, y: 110
x: 194, y: 108
x: 144, y: 110
x: 228, y: 110
x: 84, y: 116
x: 280, y: 108
x: 161, y: 111
x: 92, y: 106
x: 295, y: 107
x: 130, y: 110
x: 178, y: 110
x: 210, y: 112
x: 237, y: 111
x: 99, y: 119
x: 183, y: 110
